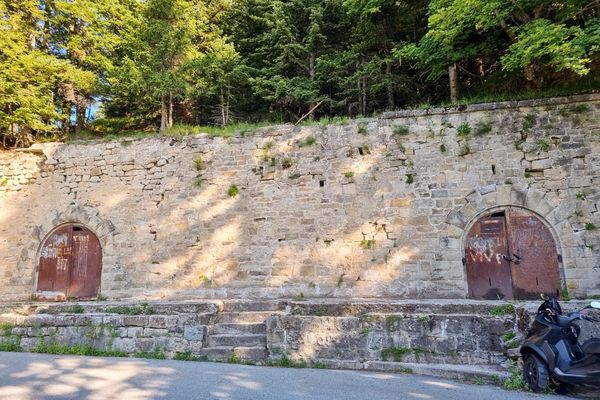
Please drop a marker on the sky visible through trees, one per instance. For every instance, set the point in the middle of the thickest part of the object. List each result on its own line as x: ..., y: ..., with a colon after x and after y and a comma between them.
x: 151, y: 64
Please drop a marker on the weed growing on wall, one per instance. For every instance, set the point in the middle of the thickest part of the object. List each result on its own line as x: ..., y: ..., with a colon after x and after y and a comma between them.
x: 464, y: 129
x: 233, y: 191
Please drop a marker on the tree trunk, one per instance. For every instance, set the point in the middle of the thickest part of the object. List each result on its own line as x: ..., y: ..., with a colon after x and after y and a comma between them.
x: 164, y: 114
x: 79, y: 117
x: 311, y: 73
x: 223, y: 116
x: 170, y: 120
x: 452, y: 72
x: 364, y: 95
x: 390, y: 86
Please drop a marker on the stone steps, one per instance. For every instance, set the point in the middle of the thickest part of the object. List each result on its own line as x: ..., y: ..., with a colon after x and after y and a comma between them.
x: 245, y: 306
x: 225, y: 353
x: 237, y: 340
x: 248, y: 317
x: 239, y: 329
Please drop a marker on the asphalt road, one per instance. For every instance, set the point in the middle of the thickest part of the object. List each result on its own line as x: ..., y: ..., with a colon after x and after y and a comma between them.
x: 37, y: 376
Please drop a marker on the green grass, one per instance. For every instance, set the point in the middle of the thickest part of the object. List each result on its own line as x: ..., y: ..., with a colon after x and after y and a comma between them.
x: 188, y: 356
x: 286, y: 362
x: 508, y: 336
x: 401, y: 130
x: 503, y: 309
x: 367, y: 244
x: 79, y: 350
x: 307, y: 141
x: 590, y: 227
x: 10, y: 345
x: 543, y: 144
x: 6, y: 328
x: 410, y: 178
x: 394, y: 353
x: 287, y: 162
x: 463, y: 129
x: 348, y: 174
x: 198, y: 163
x: 142, y: 309
x: 529, y: 120
x: 233, y: 191
x: 362, y: 129
x: 483, y: 128
x: 156, y: 354
x: 515, y: 378
x: 76, y: 309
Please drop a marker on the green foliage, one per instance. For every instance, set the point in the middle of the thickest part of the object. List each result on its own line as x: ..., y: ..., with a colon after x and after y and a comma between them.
x: 580, y: 109
x: 483, y: 128
x: 188, y: 356
x: 101, y: 297
x: 287, y: 162
x: 443, y: 148
x: 463, y: 129
x: 503, y: 309
x: 174, y: 65
x: 348, y: 174
x: 156, y: 354
x: 580, y: 196
x: 76, y: 309
x: 410, y: 178
x: 233, y: 191
x: 142, y: 309
x: 401, y: 130
x: 543, y: 144
x: 529, y: 120
x: 79, y: 350
x: 198, y: 163
x: 367, y: 244
x: 508, y: 336
x: 307, y: 141
x: 515, y: 378
x: 286, y: 362
x: 299, y: 297
x: 10, y: 345
x: 394, y: 353
x: 590, y: 227
x: 6, y: 328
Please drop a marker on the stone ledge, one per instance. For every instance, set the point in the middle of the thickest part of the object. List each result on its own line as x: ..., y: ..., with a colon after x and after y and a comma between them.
x: 502, y: 105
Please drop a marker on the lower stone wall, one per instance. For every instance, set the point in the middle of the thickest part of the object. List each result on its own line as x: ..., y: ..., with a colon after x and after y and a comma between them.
x: 170, y: 329
x: 356, y: 335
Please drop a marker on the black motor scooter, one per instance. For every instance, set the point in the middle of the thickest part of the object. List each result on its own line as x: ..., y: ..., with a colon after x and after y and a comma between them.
x: 552, y: 353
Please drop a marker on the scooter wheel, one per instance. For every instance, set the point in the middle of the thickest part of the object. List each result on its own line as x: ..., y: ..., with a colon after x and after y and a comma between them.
x: 535, y: 373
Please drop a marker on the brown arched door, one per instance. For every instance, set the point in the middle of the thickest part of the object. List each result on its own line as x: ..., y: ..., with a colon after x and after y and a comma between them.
x: 511, y: 255
x: 71, y: 263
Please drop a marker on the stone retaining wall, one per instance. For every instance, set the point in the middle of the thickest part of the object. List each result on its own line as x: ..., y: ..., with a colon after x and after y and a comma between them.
x: 374, y: 208
x: 358, y: 335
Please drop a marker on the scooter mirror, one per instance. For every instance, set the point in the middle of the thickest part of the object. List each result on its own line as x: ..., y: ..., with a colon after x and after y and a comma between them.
x: 595, y: 304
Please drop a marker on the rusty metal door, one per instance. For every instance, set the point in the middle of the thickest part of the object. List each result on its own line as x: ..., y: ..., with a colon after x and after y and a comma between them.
x: 488, y: 272
x: 511, y: 255
x: 534, y: 256
x: 55, y: 261
x: 71, y: 263
x: 87, y: 259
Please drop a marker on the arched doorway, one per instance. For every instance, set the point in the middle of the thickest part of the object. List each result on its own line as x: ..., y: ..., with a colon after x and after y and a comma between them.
x: 71, y: 263
x: 511, y: 254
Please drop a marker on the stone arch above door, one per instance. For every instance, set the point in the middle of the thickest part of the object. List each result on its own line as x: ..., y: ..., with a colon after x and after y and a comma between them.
x: 74, y: 214
x: 511, y: 253
x: 553, y: 211
x: 70, y: 264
